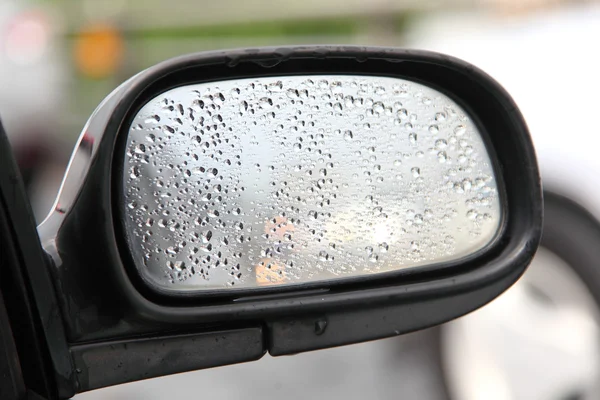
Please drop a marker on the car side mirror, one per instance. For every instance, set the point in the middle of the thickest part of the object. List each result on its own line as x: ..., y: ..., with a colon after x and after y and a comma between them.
x: 221, y: 205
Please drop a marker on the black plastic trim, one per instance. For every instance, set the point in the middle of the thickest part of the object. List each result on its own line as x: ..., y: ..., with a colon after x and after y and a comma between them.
x: 323, y: 330
x: 111, y: 363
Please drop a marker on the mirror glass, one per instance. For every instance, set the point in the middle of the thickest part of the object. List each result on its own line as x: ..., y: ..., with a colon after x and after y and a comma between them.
x: 275, y: 181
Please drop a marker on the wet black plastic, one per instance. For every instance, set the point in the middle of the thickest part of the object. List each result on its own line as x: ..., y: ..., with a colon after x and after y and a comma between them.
x: 111, y: 363
x: 27, y: 291
x: 103, y: 299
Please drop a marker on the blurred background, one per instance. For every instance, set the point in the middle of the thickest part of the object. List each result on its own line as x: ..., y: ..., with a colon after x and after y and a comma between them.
x: 60, y: 58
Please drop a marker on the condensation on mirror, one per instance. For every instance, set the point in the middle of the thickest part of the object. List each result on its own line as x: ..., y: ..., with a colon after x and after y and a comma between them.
x: 288, y: 180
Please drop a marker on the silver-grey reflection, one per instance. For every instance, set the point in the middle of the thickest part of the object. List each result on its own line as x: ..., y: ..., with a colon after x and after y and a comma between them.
x: 539, y: 340
x: 284, y: 180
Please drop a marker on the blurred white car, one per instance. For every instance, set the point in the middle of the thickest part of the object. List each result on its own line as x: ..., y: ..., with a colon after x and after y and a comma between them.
x: 540, y: 340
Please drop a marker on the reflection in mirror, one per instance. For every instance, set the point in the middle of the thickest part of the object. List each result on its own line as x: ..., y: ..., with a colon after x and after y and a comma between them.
x: 289, y: 180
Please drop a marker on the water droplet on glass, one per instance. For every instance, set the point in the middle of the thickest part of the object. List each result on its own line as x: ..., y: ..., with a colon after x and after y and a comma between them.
x: 171, y: 250
x: 135, y: 172
x: 140, y: 148
x: 442, y: 156
x: 460, y: 130
x: 402, y: 113
x: 152, y: 120
x: 466, y: 184
x: 323, y: 256
x: 349, y: 101
x: 441, y: 144
x: 265, y: 102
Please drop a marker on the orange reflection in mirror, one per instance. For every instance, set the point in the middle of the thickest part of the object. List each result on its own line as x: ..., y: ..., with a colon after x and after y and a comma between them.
x: 278, y: 227
x: 269, y: 271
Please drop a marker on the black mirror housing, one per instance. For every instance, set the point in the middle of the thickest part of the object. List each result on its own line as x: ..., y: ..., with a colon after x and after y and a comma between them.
x: 105, y: 305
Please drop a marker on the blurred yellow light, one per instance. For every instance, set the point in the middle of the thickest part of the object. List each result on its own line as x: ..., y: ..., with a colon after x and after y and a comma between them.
x: 98, y: 51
